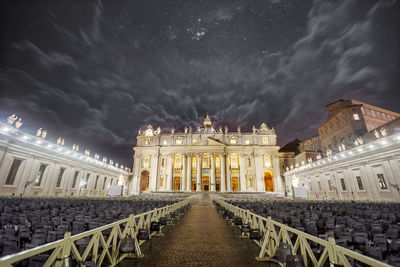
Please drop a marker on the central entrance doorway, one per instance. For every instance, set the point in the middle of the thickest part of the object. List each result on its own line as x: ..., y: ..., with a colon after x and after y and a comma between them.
x: 206, y: 184
x: 269, y: 181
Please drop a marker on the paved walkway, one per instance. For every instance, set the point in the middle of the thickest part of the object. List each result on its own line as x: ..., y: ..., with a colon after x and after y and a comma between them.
x: 201, y: 238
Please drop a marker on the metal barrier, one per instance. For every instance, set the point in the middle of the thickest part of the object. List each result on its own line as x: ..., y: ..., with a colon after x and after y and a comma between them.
x: 270, y: 239
x: 61, y: 251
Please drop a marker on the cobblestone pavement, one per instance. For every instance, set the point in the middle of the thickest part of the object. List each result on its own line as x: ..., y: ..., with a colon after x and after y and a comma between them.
x: 201, y: 238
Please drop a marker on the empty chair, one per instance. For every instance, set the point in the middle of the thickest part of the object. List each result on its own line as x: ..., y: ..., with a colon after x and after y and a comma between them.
x: 294, y: 261
x: 283, y: 250
x: 374, y: 252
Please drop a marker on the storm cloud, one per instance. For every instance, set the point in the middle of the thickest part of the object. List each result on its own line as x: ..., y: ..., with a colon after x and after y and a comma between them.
x: 95, y: 72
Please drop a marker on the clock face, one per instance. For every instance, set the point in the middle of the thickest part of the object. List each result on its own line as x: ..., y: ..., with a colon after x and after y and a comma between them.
x: 148, y: 132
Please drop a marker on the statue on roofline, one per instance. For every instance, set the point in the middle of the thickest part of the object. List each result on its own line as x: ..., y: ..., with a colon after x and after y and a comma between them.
x: 11, y: 119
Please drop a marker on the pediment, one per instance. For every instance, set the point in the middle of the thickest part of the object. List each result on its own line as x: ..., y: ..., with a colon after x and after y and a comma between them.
x: 208, y: 142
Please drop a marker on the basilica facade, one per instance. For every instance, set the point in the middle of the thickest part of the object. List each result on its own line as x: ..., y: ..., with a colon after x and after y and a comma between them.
x: 207, y: 159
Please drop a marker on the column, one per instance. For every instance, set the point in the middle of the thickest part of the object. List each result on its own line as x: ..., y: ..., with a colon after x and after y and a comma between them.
x: 25, y: 175
x: 222, y: 185
x: 198, y: 186
x: 189, y: 173
x: 154, y: 171
x: 212, y: 172
x: 259, y: 174
x: 136, y: 175
x: 51, y: 179
x: 277, y: 178
x: 170, y: 159
x: 228, y: 176
x: 371, y: 186
x: 184, y: 176
x: 242, y: 175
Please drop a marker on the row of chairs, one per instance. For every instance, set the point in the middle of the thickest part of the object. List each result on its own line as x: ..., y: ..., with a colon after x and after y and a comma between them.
x: 29, y: 222
x: 371, y: 229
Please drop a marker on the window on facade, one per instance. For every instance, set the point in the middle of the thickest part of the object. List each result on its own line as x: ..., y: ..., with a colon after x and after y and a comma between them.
x: 310, y: 185
x: 233, y: 140
x: 330, y: 185
x: 319, y: 186
x: 356, y: 117
x: 111, y: 182
x: 39, y: 175
x: 248, y: 162
x: 74, y: 180
x: 165, y: 142
x: 87, y: 181
x: 13, y: 171
x: 265, y: 140
x: 218, y: 162
x: 206, y: 163
x: 178, y: 141
x: 267, y: 162
x: 163, y: 162
x: 234, y: 161
x: 147, y: 141
x: 59, y: 178
x: 178, y: 162
x: 146, y: 161
x: 343, y: 184
x: 359, y: 183
x: 194, y: 140
x: 104, y: 184
x: 96, y: 182
x: 247, y: 141
x: 194, y: 163
x: 382, y: 181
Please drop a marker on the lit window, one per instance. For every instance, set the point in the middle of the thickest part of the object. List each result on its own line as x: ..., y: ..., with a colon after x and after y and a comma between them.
x: 194, y: 140
x: 148, y: 141
x: 218, y: 162
x: 233, y: 140
x: 265, y: 140
x: 179, y: 141
x: 165, y: 142
x: 194, y: 163
x: 356, y: 117
x: 267, y: 161
x: 247, y: 141
x: 178, y: 162
x: 146, y: 161
x: 234, y: 161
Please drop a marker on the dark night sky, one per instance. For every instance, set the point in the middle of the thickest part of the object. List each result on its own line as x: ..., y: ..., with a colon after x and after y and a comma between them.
x: 94, y: 72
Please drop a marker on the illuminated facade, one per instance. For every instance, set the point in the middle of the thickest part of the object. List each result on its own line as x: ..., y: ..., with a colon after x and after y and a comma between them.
x: 207, y: 159
x: 32, y: 166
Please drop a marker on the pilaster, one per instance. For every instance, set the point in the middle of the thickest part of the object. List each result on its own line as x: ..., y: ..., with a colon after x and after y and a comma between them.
x: 222, y: 186
x: 212, y: 172
x: 198, y: 186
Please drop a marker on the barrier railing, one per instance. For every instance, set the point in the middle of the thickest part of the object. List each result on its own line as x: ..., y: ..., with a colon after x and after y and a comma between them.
x: 332, y: 254
x: 100, y: 247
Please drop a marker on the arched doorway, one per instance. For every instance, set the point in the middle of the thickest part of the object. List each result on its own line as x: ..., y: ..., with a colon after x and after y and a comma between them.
x: 206, y: 183
x: 235, y: 184
x: 193, y: 185
x: 177, y: 183
x: 269, y: 181
x: 144, y: 181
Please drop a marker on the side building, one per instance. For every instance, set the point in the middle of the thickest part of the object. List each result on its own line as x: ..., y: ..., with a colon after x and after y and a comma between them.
x: 33, y: 166
x: 207, y: 159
